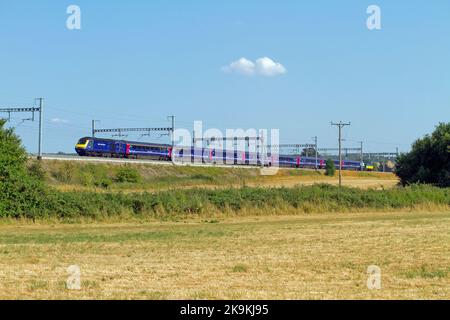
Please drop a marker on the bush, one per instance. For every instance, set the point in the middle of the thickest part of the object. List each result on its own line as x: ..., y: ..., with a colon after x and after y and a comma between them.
x: 429, y: 160
x: 35, y: 170
x: 330, y: 169
x: 103, y: 183
x: 127, y: 174
x: 22, y: 192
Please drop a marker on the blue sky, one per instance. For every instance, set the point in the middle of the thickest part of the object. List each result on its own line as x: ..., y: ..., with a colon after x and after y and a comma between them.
x: 135, y: 62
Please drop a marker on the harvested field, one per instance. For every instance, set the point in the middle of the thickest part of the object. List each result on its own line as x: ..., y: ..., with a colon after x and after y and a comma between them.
x: 320, y: 256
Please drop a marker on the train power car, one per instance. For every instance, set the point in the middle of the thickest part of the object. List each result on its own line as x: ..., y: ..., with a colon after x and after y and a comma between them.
x: 99, y: 147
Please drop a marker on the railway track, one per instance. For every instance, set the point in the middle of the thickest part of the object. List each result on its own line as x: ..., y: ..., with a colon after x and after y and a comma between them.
x: 74, y: 157
x: 58, y: 157
x: 68, y: 157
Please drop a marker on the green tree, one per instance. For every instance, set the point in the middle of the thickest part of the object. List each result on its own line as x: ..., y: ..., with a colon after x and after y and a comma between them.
x: 428, y: 161
x: 21, y: 193
x: 309, y: 152
x: 330, y: 169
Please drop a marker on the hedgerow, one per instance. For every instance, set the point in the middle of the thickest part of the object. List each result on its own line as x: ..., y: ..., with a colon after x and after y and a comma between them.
x: 179, y: 203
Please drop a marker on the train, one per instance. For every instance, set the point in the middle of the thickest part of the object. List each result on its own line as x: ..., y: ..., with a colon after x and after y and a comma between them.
x: 100, y: 147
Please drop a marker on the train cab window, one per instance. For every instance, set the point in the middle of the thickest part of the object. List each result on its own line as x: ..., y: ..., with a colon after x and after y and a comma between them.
x: 82, y: 141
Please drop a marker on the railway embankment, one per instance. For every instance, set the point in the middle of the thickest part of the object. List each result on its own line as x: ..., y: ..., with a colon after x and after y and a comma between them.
x: 139, y: 177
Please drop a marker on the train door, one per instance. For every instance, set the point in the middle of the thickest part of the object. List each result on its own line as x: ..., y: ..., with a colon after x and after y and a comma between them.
x: 117, y: 149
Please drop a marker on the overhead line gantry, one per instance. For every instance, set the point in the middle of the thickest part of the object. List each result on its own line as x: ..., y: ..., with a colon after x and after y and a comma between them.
x: 33, y: 109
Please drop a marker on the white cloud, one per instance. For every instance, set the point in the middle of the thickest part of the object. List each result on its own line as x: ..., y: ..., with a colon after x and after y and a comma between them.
x: 58, y: 120
x: 263, y: 66
x: 269, y: 68
x: 241, y: 66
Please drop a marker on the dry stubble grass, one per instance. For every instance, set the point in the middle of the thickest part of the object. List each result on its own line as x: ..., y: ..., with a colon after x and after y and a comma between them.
x: 312, y: 257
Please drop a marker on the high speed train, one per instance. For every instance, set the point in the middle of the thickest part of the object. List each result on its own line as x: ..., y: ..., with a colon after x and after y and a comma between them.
x: 100, y: 147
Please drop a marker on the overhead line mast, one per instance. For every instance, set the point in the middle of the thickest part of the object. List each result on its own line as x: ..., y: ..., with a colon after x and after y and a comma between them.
x: 340, y: 125
x: 172, y: 132
x: 317, y: 153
